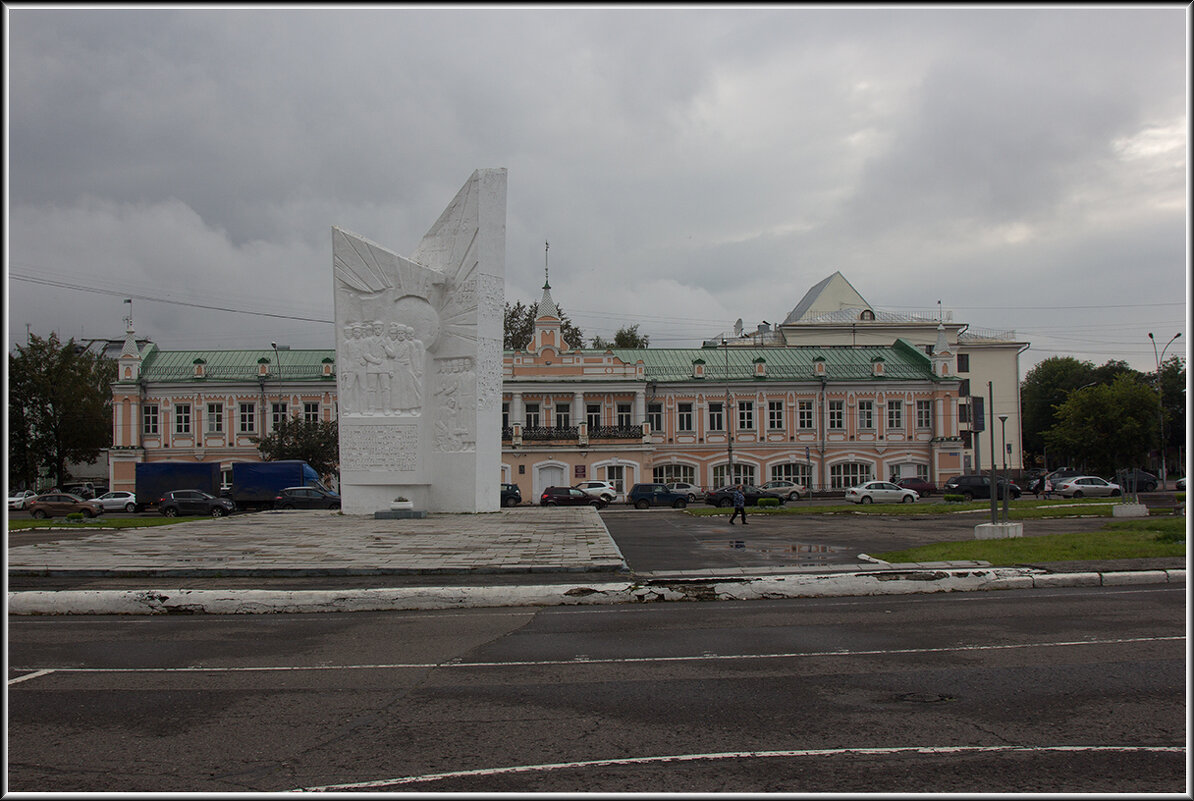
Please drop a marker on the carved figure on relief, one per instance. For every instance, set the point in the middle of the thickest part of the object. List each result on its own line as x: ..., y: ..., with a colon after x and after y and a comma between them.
x: 406, y: 366
x: 352, y: 374
x: 454, y: 428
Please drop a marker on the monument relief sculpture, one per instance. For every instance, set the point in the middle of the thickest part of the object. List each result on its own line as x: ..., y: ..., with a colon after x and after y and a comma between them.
x: 427, y: 328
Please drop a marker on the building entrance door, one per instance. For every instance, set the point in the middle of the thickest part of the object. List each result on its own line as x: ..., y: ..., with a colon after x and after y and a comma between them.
x: 551, y: 475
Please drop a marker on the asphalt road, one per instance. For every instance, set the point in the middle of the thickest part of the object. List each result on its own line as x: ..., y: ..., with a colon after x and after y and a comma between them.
x: 1067, y: 690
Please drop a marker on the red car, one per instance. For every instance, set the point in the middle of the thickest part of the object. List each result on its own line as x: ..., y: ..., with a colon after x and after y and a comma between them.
x: 923, y: 488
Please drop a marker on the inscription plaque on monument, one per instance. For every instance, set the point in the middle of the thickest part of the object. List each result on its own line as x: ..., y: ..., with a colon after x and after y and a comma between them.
x: 418, y: 356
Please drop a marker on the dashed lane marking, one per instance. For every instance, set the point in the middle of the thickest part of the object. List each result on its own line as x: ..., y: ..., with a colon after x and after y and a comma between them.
x: 585, y: 659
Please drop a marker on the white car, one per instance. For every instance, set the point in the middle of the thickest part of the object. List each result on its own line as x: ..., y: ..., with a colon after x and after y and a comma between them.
x: 118, y: 501
x: 880, y: 492
x: 1181, y: 484
x: 684, y: 488
x: 1081, y: 486
x: 789, y: 489
x: 598, y: 489
x: 18, y: 499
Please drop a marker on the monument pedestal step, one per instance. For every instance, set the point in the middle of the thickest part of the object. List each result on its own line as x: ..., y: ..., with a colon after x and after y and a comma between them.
x: 400, y: 514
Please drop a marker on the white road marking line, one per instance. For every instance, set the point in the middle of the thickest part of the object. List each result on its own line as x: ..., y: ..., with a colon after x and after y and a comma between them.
x: 824, y: 752
x: 28, y: 676
x: 585, y: 660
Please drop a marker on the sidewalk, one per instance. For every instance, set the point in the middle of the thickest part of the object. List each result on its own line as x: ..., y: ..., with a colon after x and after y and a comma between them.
x: 327, y: 562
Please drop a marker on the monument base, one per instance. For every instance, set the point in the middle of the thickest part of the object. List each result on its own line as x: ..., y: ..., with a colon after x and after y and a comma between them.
x: 998, y: 531
x: 400, y: 514
x: 1129, y: 510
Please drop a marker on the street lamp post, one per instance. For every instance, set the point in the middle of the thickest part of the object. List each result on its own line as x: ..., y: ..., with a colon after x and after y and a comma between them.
x: 1161, y: 395
x: 1003, y: 440
x: 729, y: 427
x: 278, y: 361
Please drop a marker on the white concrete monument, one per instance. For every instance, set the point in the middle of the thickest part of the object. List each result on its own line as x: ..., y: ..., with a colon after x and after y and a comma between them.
x: 419, y: 360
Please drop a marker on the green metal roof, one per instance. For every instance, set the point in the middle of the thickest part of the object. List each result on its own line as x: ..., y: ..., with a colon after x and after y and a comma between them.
x: 233, y: 365
x: 902, y: 360
x: 842, y: 362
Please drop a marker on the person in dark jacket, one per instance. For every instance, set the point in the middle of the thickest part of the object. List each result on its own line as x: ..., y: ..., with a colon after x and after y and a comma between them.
x: 739, y: 505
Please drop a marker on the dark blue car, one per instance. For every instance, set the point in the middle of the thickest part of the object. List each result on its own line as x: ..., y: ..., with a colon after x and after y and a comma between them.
x: 647, y: 495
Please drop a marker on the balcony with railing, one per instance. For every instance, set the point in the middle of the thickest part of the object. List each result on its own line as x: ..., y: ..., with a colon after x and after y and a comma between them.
x: 581, y: 434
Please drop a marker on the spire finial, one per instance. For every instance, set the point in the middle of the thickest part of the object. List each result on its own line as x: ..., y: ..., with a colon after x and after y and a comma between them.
x: 546, y: 282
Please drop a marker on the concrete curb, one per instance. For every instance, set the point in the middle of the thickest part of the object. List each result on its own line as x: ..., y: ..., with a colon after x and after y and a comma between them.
x: 858, y: 583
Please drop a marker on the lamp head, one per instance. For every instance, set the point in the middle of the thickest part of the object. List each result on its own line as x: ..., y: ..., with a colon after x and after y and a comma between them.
x: 274, y: 345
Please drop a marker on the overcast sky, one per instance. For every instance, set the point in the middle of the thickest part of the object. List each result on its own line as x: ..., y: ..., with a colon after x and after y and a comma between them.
x: 1025, y: 167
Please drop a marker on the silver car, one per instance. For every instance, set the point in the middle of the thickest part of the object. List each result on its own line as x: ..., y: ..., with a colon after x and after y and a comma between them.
x: 684, y: 488
x: 1091, y: 486
x: 789, y: 489
x: 880, y: 492
x: 118, y: 501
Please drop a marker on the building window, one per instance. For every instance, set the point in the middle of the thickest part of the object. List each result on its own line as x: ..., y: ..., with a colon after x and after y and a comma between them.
x: 311, y: 412
x: 667, y: 473
x: 837, y: 414
x: 149, y: 420
x: 743, y: 474
x: 922, y: 472
x: 746, y: 415
x: 248, y: 418
x: 593, y: 415
x: 215, y: 418
x: 182, y: 418
x: 895, y: 415
x: 964, y: 388
x: 505, y: 416
x: 963, y: 412
x: 717, y: 416
x: 624, y: 420
x: 684, y: 417
x: 799, y: 472
x: 848, y: 474
x: 924, y: 414
x: 804, y: 415
x: 278, y: 414
x: 963, y: 362
x: 655, y: 417
x: 532, y: 417
x: 563, y: 415
x: 866, y: 414
x: 616, y: 475
x: 775, y: 415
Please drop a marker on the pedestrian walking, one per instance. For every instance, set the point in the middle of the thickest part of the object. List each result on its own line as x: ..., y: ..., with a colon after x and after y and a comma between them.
x: 739, y: 505
x: 1038, y: 488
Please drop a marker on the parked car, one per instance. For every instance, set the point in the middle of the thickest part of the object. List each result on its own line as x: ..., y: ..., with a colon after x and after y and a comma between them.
x: 690, y: 491
x: 118, y: 501
x: 789, y: 489
x: 1055, y: 477
x: 60, y: 504
x: 724, y: 497
x: 1137, y: 480
x: 1180, y: 484
x: 306, y: 498
x: 978, y: 486
x: 194, y: 502
x: 921, y: 487
x: 645, y: 495
x: 1082, y: 486
x: 85, y: 490
x: 881, y: 492
x: 599, y: 489
x: 511, y: 495
x: 19, y: 499
x: 570, y: 496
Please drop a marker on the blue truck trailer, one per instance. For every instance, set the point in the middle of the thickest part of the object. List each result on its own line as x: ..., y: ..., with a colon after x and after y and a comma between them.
x: 255, y: 485
x: 157, y: 478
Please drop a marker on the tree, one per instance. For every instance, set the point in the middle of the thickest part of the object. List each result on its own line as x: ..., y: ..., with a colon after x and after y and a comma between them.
x: 626, y: 337
x: 519, y: 326
x: 59, y: 408
x: 1044, y: 388
x: 1106, y: 428
x: 1173, y: 401
x: 315, y: 442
